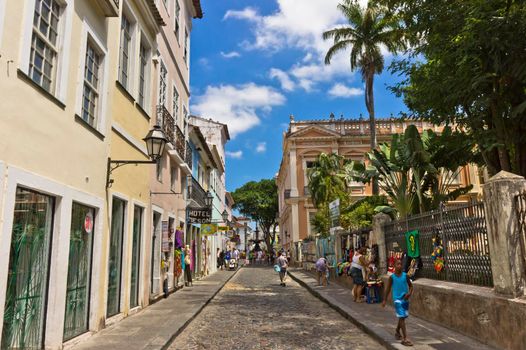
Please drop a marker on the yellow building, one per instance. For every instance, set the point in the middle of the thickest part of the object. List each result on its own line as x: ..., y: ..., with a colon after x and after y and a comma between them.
x: 55, y: 55
x: 306, y: 140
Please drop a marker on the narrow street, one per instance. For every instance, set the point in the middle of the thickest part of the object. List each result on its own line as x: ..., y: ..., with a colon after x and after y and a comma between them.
x: 253, y: 311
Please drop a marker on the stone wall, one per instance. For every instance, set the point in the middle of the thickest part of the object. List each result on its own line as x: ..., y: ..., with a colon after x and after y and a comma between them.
x: 474, y: 311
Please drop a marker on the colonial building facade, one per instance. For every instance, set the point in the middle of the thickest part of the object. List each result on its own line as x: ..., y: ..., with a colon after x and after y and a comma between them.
x: 80, y: 87
x: 305, y: 140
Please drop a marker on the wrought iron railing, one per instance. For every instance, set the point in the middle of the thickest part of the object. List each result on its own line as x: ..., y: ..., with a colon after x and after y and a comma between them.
x: 463, y: 234
x: 521, y: 217
x: 180, y: 143
x: 166, y: 122
x: 188, y: 155
x: 197, y: 193
x: 116, y: 2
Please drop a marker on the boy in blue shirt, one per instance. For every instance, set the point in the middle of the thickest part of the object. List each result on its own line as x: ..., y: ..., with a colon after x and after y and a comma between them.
x: 402, y: 288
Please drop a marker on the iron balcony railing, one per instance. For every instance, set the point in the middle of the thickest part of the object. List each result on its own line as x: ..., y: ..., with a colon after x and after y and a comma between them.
x: 188, y: 156
x: 180, y: 143
x: 197, y: 193
x: 166, y: 122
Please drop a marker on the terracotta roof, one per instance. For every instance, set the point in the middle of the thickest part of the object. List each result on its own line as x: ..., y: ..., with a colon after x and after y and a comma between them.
x: 198, y: 9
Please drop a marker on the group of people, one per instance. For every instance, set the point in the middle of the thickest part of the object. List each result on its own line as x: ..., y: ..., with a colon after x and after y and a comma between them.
x: 224, y: 257
x: 362, y: 270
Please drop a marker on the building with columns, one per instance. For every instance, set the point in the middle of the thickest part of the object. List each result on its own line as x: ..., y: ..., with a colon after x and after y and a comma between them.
x: 305, y: 140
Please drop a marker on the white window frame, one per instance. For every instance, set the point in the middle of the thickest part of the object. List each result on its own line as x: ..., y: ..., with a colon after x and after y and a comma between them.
x: 63, y: 45
x: 88, y: 33
x: 159, y: 71
x: 2, y: 16
x: 177, y: 21
x: 147, y: 74
x: 173, y: 179
x: 133, y: 49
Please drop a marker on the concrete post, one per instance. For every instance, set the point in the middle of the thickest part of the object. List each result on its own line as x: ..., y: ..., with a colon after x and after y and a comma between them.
x: 503, y: 232
x: 379, y: 220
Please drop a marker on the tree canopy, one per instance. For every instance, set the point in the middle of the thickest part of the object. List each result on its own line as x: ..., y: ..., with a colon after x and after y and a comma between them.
x: 467, y: 67
x: 259, y: 201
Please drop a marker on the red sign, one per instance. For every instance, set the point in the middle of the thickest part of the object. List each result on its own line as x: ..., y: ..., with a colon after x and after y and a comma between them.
x: 88, y: 222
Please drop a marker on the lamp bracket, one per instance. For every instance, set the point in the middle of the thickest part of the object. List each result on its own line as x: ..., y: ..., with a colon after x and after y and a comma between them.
x: 114, y: 164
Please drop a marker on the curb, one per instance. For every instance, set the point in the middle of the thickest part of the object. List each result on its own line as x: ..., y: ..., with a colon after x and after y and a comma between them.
x: 377, y: 335
x: 183, y: 327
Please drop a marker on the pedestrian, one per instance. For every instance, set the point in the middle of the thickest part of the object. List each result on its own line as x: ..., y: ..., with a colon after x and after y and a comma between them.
x: 235, y: 255
x: 187, y: 269
x: 220, y: 258
x: 358, y: 265
x: 322, y: 267
x: 283, y: 265
x: 228, y: 255
x: 402, y: 289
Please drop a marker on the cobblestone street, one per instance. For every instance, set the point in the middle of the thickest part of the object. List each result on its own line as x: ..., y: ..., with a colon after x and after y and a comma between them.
x: 253, y: 311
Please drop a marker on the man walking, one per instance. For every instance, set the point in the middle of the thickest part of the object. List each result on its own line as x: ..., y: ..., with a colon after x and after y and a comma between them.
x: 283, y: 264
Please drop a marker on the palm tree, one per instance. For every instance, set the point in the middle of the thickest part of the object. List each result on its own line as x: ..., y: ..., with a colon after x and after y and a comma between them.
x: 369, y: 29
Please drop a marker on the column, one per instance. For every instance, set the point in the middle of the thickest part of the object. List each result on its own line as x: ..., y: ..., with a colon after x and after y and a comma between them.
x: 507, y: 264
x: 293, y: 173
x: 379, y: 220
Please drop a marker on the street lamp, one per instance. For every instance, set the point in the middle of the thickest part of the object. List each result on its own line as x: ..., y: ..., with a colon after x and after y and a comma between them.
x: 155, y: 143
x: 224, y: 216
x: 209, y: 199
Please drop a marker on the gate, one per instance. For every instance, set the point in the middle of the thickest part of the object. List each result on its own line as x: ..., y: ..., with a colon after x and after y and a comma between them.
x: 28, y: 276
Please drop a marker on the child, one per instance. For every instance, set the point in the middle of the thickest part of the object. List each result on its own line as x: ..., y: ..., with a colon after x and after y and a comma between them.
x: 402, y: 290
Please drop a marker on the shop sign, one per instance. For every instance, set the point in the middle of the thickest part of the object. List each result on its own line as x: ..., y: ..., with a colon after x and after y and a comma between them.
x: 88, y: 222
x: 199, y: 215
x: 208, y: 229
x: 222, y: 228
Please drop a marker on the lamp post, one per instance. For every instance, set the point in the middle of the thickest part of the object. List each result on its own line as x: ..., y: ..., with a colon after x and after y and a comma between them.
x: 155, y: 143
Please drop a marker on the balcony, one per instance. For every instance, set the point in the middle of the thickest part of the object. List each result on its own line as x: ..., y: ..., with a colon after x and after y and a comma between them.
x: 167, y: 123
x: 110, y: 8
x: 197, y: 194
x: 188, y: 156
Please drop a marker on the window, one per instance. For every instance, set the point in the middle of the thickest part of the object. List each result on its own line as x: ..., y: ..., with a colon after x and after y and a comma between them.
x: 143, y: 73
x: 118, y: 212
x: 185, y: 116
x: 44, y: 44
x: 163, y: 75
x: 175, y: 104
x: 136, y: 255
x: 90, y: 94
x: 176, y: 24
x: 173, y: 178
x: 159, y: 170
x: 125, y: 49
x: 186, y: 45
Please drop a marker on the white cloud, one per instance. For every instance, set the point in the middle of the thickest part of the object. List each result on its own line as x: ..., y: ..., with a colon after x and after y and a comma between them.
x: 230, y: 54
x: 240, y: 106
x: 340, y: 90
x: 235, y: 154
x: 261, y: 147
x: 299, y: 27
x: 247, y: 13
x: 205, y: 63
x: 286, y: 83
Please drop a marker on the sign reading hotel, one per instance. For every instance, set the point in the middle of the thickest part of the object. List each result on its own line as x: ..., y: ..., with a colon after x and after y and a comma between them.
x: 199, y: 215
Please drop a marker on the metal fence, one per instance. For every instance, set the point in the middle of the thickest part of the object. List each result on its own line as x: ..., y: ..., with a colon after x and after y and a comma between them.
x: 462, y: 231
x: 521, y: 216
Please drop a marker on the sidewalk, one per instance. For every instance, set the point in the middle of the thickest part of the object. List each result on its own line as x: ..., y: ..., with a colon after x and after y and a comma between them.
x: 380, y: 323
x: 157, y: 325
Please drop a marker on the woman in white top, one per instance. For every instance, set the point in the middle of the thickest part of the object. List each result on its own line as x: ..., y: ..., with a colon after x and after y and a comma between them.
x: 358, y: 265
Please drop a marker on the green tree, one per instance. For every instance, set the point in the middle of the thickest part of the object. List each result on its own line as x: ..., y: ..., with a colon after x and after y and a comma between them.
x: 369, y: 29
x: 259, y: 201
x: 466, y: 67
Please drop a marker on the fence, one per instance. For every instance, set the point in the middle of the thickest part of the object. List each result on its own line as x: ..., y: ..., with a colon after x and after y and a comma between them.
x: 462, y: 231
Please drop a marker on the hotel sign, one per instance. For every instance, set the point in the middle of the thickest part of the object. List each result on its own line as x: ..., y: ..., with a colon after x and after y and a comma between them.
x: 199, y: 215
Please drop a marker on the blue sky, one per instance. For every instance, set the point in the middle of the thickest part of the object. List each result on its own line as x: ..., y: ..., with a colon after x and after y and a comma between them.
x: 255, y: 62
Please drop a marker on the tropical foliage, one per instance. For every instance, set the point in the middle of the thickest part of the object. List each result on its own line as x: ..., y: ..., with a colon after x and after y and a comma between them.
x: 417, y: 172
x: 466, y: 67
x: 259, y: 201
x: 368, y: 31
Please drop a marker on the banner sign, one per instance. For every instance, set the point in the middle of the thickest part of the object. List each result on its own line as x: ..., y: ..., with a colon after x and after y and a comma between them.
x: 208, y: 229
x: 199, y: 215
x: 222, y: 228
x: 334, y: 210
x: 413, y: 244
